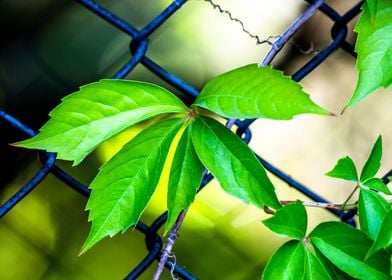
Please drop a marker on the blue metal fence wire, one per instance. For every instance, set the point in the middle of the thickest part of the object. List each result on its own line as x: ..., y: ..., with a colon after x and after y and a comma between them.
x: 138, y: 48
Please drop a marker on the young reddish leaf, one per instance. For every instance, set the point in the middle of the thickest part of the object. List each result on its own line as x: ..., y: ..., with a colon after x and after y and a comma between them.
x: 346, y: 247
x: 344, y: 169
x: 384, y: 236
x: 125, y: 184
x: 232, y: 163
x: 185, y: 178
x: 288, y: 262
x: 256, y: 92
x: 374, y: 48
x: 377, y: 184
x: 97, y: 112
x: 372, y: 209
x: 291, y: 221
x: 372, y: 165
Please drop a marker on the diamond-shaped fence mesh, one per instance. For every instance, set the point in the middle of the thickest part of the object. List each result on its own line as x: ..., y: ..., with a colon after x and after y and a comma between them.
x: 139, y: 45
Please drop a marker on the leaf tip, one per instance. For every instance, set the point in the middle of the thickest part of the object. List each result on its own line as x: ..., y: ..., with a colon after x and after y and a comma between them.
x: 21, y: 144
x: 355, y: 99
x: 81, y: 252
x: 85, y: 247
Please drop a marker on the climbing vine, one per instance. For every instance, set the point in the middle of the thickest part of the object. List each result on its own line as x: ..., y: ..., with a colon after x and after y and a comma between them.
x: 125, y: 184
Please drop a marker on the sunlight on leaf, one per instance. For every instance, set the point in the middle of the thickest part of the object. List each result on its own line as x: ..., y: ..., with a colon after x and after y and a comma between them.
x: 374, y: 48
x: 232, y: 163
x: 97, y: 112
x: 377, y: 184
x: 125, y: 184
x: 296, y: 260
x: 372, y: 208
x: 344, y: 169
x: 373, y: 6
x: 254, y: 92
x: 287, y: 261
x: 384, y: 236
x: 373, y: 163
x: 290, y: 220
x: 185, y: 178
x: 346, y: 247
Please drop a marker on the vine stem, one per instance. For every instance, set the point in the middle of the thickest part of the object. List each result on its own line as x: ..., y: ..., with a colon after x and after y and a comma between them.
x: 350, y: 196
x: 284, y: 38
x: 169, y: 245
x: 343, y: 207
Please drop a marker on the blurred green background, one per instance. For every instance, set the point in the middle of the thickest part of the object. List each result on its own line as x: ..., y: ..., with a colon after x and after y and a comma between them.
x: 50, y: 48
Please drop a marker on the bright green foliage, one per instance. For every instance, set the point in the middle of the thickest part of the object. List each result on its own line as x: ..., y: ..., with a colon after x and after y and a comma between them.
x: 372, y: 209
x: 346, y: 248
x: 372, y: 6
x: 333, y: 272
x: 344, y: 169
x: 185, y: 178
x: 384, y: 237
x: 97, y: 112
x: 125, y: 184
x: 296, y: 260
x: 232, y: 163
x: 291, y: 221
x: 377, y: 184
x: 254, y: 92
x: 317, y: 267
x: 374, y: 48
x: 372, y: 165
x: 287, y: 263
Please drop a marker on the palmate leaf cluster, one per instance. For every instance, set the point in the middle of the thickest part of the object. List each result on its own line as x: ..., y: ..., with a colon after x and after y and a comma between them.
x: 335, y: 250
x: 124, y: 185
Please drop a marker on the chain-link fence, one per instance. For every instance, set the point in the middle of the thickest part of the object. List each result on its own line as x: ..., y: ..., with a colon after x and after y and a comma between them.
x: 139, y: 44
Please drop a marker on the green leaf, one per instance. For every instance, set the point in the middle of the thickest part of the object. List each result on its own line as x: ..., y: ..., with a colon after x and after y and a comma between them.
x: 372, y: 6
x: 232, y: 163
x: 288, y: 262
x: 317, y: 267
x: 333, y: 272
x: 384, y: 236
x: 377, y: 184
x: 185, y: 178
x: 256, y: 92
x: 291, y: 221
x: 372, y: 208
x: 372, y: 165
x: 346, y: 247
x: 97, y: 112
x: 344, y: 169
x: 374, y: 48
x: 125, y: 184
x: 294, y: 260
